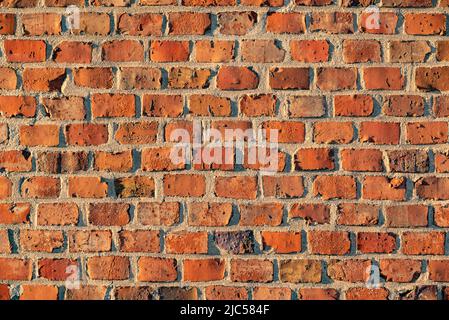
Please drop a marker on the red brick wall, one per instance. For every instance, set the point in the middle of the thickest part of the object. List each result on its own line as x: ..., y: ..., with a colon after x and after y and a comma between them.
x: 89, y: 191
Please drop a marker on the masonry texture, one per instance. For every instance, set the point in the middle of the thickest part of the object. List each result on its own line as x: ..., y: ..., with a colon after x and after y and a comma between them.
x: 88, y: 189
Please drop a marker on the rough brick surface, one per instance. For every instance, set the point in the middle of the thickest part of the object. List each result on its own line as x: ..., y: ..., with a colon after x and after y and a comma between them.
x: 91, y: 117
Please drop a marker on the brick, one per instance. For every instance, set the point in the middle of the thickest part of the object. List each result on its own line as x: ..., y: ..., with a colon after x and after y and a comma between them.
x: 8, y: 79
x: 226, y: 293
x: 317, y: 294
x: 15, y: 269
x: 186, y: 242
x: 206, y: 3
x: 260, y: 51
x: 92, y: 23
x: 86, y: 134
x: 400, y: 270
x: 408, y: 51
x: 237, y: 187
x: 384, y: 188
x: 57, y: 214
x: 5, y: 188
x: 86, y: 293
x: 425, y: 24
x: 261, y: 214
x: 379, y: 132
x: 169, y: 51
x: 209, y: 214
x: 386, y: 23
x: 25, y: 50
x: 289, y: 78
x: 332, y: 22
x: 43, y: 80
x: 57, y: 269
x: 442, y: 50
x: 329, y: 242
x: 134, y: 187
x: 383, y: 78
x: 287, y: 131
x: 270, y: 293
x: 417, y: 243
x: 376, y: 242
x: 39, y: 24
x: 236, y: 23
x: 39, y: 135
x: 39, y: 292
x: 108, y: 268
x: 113, y: 161
x: 408, y: 160
x: 4, y: 292
x: 188, y: 78
x: 362, y: 160
x: 87, y: 187
x: 174, y: 293
x: 286, y: 22
x: 214, y: 51
x: 314, y: 159
x: 7, y: 24
x: 96, y: 78
x: 441, y: 162
x: 65, y: 162
x: 146, y: 24
x: 15, y: 161
x: 143, y: 132
x: 237, y: 78
x: 281, y: 242
x: 440, y: 106
x: 334, y: 187
x: 258, y: 105
x: 441, y: 216
x: 367, y: 294
x: 41, y: 240
x: 283, y: 186
x: 353, y: 105
x: 235, y: 242
x: 140, y: 78
x: 349, y: 270
x: 122, y: 51
x: 312, y: 213
x: 109, y: 214
x: 427, y: 133
x: 156, y: 269
x: 90, y: 241
x: 404, y: 106
x: 420, y: 293
x: 158, y: 214
x: 251, y: 270
x: 204, y: 270
x: 310, y: 51
x: 335, y: 79
x: 41, y: 187
x: 432, y: 188
x: 406, y: 216
x: 184, y: 185
x: 298, y: 271
x: 187, y: 23
x: 134, y: 293
x: 66, y: 108
x: 163, y: 105
x: 139, y: 241
x: 356, y: 51
x: 15, y: 213
x: 438, y: 270
x: 357, y: 214
x: 333, y: 132
x: 433, y: 78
